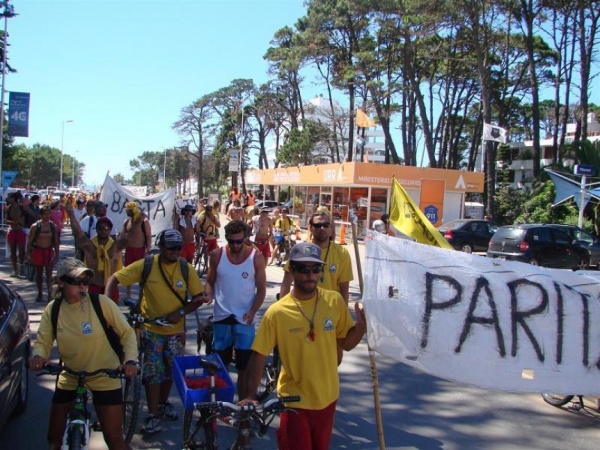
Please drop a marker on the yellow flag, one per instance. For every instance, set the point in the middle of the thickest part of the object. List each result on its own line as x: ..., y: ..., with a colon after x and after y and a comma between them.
x: 362, y: 120
x: 406, y: 217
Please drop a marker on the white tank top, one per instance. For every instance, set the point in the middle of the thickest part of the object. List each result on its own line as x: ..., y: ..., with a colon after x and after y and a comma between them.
x: 235, y: 287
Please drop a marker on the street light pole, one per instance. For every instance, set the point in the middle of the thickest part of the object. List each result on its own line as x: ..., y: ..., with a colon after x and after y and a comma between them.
x: 165, y: 172
x: 8, y: 12
x: 62, y: 148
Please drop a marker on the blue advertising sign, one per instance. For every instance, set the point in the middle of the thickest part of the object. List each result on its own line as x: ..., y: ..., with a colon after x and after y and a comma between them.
x: 18, y: 114
x: 431, y: 212
x: 581, y: 169
x: 8, y: 176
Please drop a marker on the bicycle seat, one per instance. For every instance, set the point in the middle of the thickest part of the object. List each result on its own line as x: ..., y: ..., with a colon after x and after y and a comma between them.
x: 209, y: 365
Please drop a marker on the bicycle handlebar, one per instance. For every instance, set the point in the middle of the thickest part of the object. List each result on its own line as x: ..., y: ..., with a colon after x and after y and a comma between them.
x: 136, y: 319
x: 56, y: 369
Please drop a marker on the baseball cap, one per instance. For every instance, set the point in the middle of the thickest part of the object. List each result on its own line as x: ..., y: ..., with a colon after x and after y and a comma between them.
x: 188, y: 208
x: 265, y: 209
x: 100, y: 204
x: 171, y: 238
x: 306, y: 252
x: 105, y: 220
x: 72, y: 267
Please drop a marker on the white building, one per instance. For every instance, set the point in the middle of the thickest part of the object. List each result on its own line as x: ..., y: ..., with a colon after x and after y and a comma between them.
x: 521, y: 170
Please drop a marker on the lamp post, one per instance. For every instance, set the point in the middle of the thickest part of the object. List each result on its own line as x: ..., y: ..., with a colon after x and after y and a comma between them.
x: 62, y: 148
x: 8, y: 12
x: 74, y: 178
x: 165, y: 172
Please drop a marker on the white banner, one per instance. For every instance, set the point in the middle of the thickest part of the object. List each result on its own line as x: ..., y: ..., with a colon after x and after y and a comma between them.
x: 158, y: 207
x: 137, y: 191
x: 494, y: 133
x: 496, y: 324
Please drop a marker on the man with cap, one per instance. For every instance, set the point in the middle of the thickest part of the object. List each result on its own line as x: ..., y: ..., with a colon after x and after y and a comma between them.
x: 101, y: 253
x: 88, y: 223
x: 164, y: 295
x: 238, y: 283
x: 262, y: 227
x: 83, y: 345
x: 186, y: 224
x: 306, y: 325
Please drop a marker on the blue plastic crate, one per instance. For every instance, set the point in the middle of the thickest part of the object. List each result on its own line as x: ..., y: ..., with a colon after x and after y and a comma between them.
x: 189, y: 366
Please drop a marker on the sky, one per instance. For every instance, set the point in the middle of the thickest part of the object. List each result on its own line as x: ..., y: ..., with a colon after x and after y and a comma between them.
x: 122, y: 70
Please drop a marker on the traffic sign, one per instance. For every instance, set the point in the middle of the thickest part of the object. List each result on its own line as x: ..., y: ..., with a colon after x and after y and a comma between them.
x: 581, y: 169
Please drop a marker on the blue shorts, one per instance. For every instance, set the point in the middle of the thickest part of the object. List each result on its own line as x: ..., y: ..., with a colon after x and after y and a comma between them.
x: 160, y: 351
x: 227, y: 336
x: 239, y: 336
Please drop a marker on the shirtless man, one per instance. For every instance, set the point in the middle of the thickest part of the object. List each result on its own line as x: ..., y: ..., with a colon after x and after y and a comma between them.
x: 42, y: 249
x: 139, y: 238
x: 16, y: 238
x: 262, y: 226
x: 236, y: 212
x: 209, y: 224
x: 187, y: 225
x: 101, y: 253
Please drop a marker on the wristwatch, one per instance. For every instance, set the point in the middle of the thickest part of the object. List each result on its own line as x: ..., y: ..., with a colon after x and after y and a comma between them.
x: 181, y: 312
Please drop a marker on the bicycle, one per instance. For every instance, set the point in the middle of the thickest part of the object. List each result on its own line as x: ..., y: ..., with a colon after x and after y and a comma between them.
x: 201, y: 256
x: 559, y: 400
x: 78, y: 429
x: 245, y: 418
x: 132, y: 387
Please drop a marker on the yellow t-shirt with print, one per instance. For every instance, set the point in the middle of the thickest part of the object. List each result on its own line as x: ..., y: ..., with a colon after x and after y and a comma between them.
x: 337, y: 268
x: 285, y: 224
x: 158, y: 300
x: 309, y: 368
x: 82, y: 342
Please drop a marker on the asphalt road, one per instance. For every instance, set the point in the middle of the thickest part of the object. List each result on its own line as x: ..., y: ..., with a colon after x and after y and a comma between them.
x: 419, y: 411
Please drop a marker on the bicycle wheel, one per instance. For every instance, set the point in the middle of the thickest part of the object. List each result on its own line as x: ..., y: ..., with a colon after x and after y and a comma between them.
x: 556, y: 399
x: 268, y: 381
x: 200, y: 261
x: 132, y: 389
x: 76, y: 437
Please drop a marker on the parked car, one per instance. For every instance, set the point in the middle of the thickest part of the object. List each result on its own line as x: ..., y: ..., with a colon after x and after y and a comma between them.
x: 15, y: 346
x: 539, y: 244
x: 592, y: 243
x: 266, y: 203
x: 468, y: 235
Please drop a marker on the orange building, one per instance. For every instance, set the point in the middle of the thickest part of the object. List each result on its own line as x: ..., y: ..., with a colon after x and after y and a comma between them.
x: 440, y: 193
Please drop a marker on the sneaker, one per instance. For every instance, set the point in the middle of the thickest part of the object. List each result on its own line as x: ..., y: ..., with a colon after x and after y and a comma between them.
x: 151, y: 424
x: 168, y: 411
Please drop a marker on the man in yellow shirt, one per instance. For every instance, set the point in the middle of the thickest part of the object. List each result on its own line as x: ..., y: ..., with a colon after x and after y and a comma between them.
x: 163, y: 295
x: 306, y: 325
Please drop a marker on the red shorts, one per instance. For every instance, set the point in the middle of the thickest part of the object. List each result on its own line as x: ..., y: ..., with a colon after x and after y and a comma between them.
x: 133, y: 254
x: 264, y: 247
x: 300, y: 429
x: 16, y: 237
x: 42, y: 256
x: 211, y: 244
x: 94, y: 289
x: 188, y: 250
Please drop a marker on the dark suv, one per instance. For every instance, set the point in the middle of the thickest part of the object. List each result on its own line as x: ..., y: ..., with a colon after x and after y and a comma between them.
x: 538, y: 244
x: 468, y: 235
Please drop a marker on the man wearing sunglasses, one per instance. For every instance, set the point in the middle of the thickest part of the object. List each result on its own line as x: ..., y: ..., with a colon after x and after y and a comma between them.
x: 237, y: 281
x: 164, y: 294
x: 306, y: 325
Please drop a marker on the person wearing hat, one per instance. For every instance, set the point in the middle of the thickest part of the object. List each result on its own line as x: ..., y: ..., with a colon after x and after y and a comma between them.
x: 42, y: 250
x: 164, y: 295
x: 79, y: 208
x: 88, y: 223
x: 139, y: 238
x: 262, y: 227
x: 306, y: 326
x: 186, y: 224
x: 101, y: 253
x: 83, y: 345
x: 236, y: 210
x: 209, y: 224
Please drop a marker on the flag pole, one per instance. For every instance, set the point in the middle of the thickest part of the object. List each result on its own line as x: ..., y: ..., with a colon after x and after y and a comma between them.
x: 371, y: 352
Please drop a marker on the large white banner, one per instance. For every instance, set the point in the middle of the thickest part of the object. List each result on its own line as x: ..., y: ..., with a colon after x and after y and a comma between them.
x: 158, y: 207
x: 496, y: 324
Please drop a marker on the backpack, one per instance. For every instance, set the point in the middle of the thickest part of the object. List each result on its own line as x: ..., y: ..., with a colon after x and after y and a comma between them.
x: 111, y: 334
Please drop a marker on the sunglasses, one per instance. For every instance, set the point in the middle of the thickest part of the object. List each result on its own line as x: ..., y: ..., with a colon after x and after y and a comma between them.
x: 318, y: 226
x: 236, y: 241
x: 301, y: 268
x: 177, y: 248
x: 76, y: 281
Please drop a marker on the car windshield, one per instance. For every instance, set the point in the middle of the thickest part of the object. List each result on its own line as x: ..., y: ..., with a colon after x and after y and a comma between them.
x: 454, y: 224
